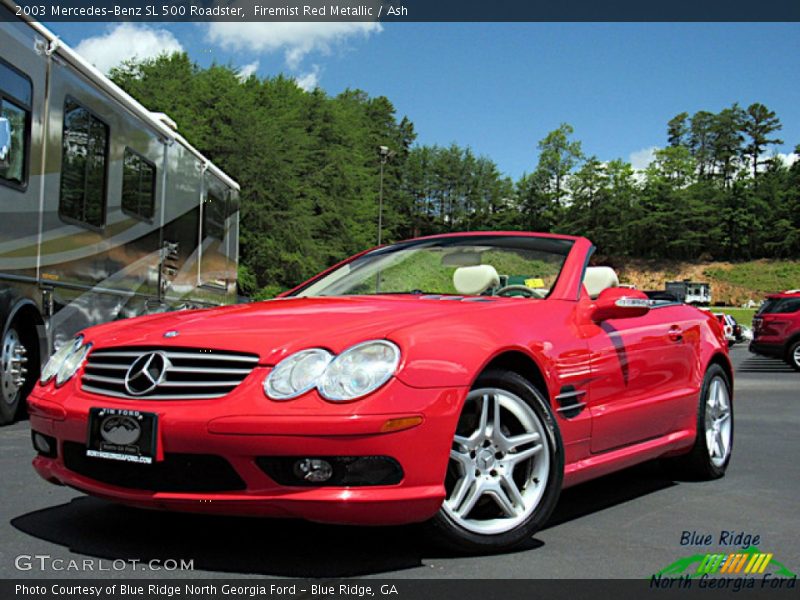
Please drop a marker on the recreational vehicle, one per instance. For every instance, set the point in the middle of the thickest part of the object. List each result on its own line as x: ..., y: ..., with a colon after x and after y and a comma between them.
x: 690, y: 292
x: 106, y: 211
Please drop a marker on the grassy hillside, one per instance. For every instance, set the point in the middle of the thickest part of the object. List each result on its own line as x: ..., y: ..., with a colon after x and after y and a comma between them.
x: 732, y: 284
x: 762, y: 275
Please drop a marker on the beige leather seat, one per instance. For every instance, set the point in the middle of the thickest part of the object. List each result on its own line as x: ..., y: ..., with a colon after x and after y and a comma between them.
x: 475, y: 280
x: 598, y: 279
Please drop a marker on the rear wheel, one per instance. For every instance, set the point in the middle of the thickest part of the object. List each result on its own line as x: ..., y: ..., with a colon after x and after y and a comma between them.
x: 506, y: 467
x: 711, y: 453
x: 793, y: 356
x: 15, y: 379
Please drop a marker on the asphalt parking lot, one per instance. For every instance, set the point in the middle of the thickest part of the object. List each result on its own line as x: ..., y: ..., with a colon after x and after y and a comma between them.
x: 627, y: 525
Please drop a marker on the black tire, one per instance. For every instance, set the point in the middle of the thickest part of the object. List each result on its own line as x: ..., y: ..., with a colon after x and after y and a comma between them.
x: 793, y: 355
x: 698, y: 464
x: 448, y: 532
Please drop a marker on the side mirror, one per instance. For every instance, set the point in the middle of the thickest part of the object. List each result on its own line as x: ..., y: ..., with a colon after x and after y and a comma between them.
x: 620, y: 303
x: 5, y: 142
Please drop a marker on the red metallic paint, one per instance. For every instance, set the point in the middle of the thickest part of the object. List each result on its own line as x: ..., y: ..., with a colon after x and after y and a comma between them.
x: 642, y: 377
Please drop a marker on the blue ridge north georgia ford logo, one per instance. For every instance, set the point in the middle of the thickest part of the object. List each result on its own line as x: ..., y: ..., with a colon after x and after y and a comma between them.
x: 120, y: 430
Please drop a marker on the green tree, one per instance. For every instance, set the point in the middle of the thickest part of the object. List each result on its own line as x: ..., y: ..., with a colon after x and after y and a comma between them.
x: 701, y: 140
x: 587, y: 193
x: 727, y: 142
x: 558, y: 155
x: 679, y: 130
x: 623, y: 206
x: 758, y: 124
x: 673, y: 164
x: 538, y: 210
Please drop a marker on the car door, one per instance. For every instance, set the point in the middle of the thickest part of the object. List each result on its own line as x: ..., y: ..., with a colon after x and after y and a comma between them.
x: 640, y: 370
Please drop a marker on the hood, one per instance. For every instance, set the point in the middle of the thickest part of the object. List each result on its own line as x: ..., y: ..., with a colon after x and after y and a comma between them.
x: 276, y: 328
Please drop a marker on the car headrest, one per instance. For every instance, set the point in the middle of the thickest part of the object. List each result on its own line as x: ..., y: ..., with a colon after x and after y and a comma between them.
x: 598, y: 279
x: 475, y: 280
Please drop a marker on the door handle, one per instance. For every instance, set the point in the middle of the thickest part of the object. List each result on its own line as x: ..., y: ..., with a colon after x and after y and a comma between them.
x: 675, y: 333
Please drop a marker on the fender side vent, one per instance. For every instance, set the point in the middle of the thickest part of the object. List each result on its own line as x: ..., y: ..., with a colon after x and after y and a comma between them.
x: 570, y: 402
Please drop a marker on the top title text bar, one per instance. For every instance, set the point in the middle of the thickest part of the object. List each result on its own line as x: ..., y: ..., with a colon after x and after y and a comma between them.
x: 403, y: 10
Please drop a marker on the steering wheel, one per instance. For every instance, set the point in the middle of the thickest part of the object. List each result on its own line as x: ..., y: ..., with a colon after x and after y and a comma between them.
x: 530, y: 293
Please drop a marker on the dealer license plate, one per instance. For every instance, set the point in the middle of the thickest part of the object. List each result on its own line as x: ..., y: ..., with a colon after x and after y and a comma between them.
x: 121, y: 434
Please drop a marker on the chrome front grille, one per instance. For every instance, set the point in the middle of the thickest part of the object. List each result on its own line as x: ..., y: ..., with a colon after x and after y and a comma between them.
x: 185, y: 374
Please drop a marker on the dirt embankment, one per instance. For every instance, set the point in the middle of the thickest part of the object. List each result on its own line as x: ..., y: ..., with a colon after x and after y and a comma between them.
x: 652, y: 275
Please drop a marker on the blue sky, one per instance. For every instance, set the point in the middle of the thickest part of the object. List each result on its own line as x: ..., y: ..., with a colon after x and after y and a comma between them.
x: 500, y: 87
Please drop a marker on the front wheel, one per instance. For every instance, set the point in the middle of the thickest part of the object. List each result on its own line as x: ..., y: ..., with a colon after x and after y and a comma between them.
x: 506, y: 467
x: 711, y: 453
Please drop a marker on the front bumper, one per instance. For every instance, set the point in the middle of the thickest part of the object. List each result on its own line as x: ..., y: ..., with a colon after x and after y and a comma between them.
x: 244, y: 425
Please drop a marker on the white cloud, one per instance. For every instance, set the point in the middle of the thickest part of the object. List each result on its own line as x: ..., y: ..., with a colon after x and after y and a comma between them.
x: 764, y: 160
x: 127, y: 41
x: 788, y: 159
x: 295, y: 39
x: 248, y: 70
x: 308, y: 81
x: 642, y: 158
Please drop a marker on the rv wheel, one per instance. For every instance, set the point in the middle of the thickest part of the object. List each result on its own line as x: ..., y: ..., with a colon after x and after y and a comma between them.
x: 15, y: 377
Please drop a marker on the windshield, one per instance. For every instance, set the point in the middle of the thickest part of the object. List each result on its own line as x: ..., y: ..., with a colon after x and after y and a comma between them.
x: 484, y: 265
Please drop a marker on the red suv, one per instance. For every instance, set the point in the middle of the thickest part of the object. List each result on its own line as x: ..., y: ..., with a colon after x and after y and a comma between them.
x: 776, y: 328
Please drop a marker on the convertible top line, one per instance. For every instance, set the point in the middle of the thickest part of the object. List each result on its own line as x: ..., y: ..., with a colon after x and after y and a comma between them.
x: 459, y: 379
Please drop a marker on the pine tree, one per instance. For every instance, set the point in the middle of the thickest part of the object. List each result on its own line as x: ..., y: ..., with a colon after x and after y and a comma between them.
x: 758, y: 124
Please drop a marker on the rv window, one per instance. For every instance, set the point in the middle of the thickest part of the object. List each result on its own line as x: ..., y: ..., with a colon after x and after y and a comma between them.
x: 15, y: 125
x: 214, y: 217
x: 83, y: 167
x: 138, y: 185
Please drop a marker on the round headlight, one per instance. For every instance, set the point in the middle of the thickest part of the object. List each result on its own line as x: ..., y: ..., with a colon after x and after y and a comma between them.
x: 54, y: 364
x: 359, y: 370
x: 71, y: 364
x: 296, y: 374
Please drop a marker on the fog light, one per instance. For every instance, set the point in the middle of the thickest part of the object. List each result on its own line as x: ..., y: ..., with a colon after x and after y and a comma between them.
x: 41, y: 444
x: 343, y: 471
x: 314, y: 470
x: 44, y: 445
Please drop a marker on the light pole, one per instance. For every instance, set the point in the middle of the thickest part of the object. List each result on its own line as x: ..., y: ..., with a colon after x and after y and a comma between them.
x: 385, y: 155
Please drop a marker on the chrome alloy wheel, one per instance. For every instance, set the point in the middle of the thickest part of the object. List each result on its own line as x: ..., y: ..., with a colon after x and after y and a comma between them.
x: 796, y: 356
x: 13, y: 371
x: 718, y: 422
x: 499, y: 463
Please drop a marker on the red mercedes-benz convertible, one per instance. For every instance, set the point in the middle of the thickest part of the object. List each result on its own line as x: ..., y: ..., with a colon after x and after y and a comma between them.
x: 458, y: 379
